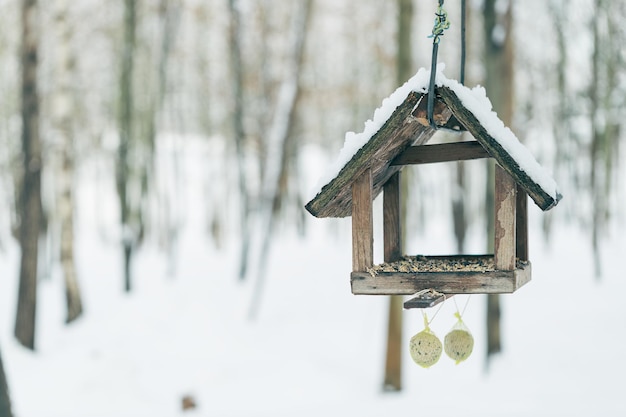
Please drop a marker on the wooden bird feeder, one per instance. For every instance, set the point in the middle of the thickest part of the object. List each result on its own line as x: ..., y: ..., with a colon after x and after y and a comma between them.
x: 376, y: 167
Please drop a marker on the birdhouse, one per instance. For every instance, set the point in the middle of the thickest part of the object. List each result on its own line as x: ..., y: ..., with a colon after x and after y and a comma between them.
x: 397, y: 135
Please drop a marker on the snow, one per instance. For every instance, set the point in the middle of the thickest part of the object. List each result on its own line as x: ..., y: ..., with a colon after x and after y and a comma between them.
x: 355, y: 141
x: 315, y: 348
x: 474, y: 99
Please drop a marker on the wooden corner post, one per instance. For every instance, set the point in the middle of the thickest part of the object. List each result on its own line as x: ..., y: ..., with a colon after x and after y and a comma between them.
x: 362, y: 223
x: 392, y: 227
x: 505, y: 212
x: 392, y: 252
x: 521, y: 225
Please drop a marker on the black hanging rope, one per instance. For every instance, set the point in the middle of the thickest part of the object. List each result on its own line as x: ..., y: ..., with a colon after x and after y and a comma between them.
x: 442, y: 23
x: 463, y: 14
x: 431, y: 87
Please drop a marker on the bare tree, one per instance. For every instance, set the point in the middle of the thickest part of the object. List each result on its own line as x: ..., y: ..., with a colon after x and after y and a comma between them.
x: 126, y: 132
x: 589, y: 157
x: 460, y: 215
x: 404, y: 67
x: 498, y: 29
x: 62, y: 119
x: 30, y: 194
x: 561, y: 127
x: 169, y: 15
x: 604, y: 120
x: 237, y: 68
x: 277, y: 141
x: 5, y: 400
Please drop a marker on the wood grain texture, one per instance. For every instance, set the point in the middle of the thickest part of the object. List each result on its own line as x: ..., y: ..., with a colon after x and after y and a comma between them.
x: 392, y: 227
x: 408, y: 283
x: 362, y: 223
x: 505, y: 208
x: 441, y: 113
x: 444, y: 152
x: 425, y: 302
x: 442, y: 116
x: 543, y: 199
x: 521, y: 225
x: 399, y: 132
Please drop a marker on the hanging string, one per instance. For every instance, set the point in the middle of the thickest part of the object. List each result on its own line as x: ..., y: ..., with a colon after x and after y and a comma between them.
x: 441, y: 23
x: 426, y: 321
x: 460, y: 314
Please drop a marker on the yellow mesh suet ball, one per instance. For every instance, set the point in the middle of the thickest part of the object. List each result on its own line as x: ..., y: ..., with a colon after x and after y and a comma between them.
x: 459, y: 342
x: 425, y: 348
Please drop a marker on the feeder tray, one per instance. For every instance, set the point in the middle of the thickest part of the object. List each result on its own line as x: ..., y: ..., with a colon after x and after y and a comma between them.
x: 460, y: 274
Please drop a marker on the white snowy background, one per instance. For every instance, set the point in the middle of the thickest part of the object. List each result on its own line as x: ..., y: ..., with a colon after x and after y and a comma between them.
x: 314, y: 349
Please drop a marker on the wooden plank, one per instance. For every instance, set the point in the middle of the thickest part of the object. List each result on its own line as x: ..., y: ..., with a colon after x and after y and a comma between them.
x: 392, y: 239
x: 399, y: 132
x: 505, y: 208
x: 362, y: 223
x: 409, y: 283
x: 521, y: 225
x: 426, y: 299
x: 391, y: 219
x: 444, y: 152
x: 418, y: 302
x: 544, y: 200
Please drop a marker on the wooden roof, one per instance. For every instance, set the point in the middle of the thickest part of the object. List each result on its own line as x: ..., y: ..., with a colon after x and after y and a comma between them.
x: 407, y: 126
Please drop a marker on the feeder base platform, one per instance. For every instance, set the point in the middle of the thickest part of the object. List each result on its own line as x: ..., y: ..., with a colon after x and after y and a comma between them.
x: 460, y: 274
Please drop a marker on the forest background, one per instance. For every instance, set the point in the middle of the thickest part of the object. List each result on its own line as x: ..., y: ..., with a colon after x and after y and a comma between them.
x: 116, y: 96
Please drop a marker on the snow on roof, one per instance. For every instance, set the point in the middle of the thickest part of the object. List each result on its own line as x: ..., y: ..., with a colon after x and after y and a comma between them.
x: 355, y: 141
x: 474, y: 99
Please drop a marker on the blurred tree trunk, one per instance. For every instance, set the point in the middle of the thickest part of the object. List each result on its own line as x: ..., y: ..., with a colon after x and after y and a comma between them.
x: 499, y: 66
x: 561, y: 126
x: 459, y: 216
x: 5, y: 401
x: 126, y: 132
x: 30, y: 194
x: 596, y: 135
x: 459, y: 211
x: 237, y: 70
x: 604, y: 119
x: 404, y: 68
x: 278, y: 141
x: 62, y: 118
x: 169, y: 15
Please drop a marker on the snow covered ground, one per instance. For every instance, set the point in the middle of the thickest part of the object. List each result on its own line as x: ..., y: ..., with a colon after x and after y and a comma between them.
x: 315, y: 349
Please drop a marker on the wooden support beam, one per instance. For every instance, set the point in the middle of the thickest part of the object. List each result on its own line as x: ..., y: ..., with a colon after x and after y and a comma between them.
x: 392, y: 252
x: 391, y: 219
x: 521, y: 225
x: 505, y: 209
x: 444, y: 152
x: 362, y: 223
